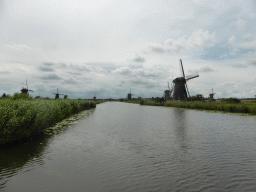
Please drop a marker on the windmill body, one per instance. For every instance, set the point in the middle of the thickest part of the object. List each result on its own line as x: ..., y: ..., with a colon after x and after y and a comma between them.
x: 167, y: 93
x: 211, y: 96
x: 66, y: 96
x: 180, y: 89
x: 26, y: 90
x: 57, y: 95
x: 129, y: 95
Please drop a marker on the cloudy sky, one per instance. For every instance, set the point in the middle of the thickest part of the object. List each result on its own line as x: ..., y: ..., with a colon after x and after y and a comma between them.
x: 106, y: 47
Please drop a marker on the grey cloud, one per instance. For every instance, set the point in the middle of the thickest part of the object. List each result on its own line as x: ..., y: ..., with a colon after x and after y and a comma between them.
x: 252, y: 62
x: 83, y: 68
x: 239, y: 65
x: 206, y: 69
x: 70, y: 81
x: 5, y: 72
x: 48, y: 64
x: 139, y: 59
x: 63, y: 65
x: 146, y: 84
x: 123, y: 71
x: 51, y: 77
x: 74, y: 73
x: 157, y: 49
x: 45, y: 69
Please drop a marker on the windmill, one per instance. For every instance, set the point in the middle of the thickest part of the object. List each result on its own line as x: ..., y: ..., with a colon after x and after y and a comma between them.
x: 167, y: 93
x: 129, y: 95
x: 94, y: 96
x: 66, y: 96
x: 57, y: 94
x: 179, y: 89
x: 26, y: 90
x: 211, y: 96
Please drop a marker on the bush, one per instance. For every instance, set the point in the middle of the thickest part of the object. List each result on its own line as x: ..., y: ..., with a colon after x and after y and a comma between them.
x: 17, y: 96
x: 231, y: 100
x: 22, y: 118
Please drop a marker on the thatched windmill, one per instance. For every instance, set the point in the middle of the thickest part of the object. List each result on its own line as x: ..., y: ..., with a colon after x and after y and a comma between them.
x: 179, y: 86
x: 26, y: 90
x: 129, y: 95
x: 57, y: 94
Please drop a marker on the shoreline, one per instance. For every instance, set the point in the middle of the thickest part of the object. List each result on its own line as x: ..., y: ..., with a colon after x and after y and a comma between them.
x: 203, y: 110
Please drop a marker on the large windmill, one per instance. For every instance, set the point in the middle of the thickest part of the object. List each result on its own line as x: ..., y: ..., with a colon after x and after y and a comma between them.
x: 57, y: 94
x: 26, y: 90
x: 129, y: 95
x: 179, y: 89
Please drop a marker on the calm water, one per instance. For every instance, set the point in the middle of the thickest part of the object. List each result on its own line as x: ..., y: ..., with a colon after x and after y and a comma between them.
x: 128, y: 147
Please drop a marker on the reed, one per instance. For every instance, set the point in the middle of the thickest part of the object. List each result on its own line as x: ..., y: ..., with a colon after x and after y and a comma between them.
x: 231, y: 106
x: 23, y: 118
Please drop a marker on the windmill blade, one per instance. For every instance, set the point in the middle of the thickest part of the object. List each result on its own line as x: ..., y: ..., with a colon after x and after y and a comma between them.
x: 182, y: 68
x: 187, y: 90
x: 192, y: 77
x: 26, y: 84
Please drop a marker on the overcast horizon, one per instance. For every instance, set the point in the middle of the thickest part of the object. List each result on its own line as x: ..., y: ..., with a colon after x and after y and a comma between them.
x: 106, y: 47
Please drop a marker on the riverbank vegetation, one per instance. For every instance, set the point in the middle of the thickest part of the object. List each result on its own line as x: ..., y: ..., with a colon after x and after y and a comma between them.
x: 230, y: 105
x: 22, y: 116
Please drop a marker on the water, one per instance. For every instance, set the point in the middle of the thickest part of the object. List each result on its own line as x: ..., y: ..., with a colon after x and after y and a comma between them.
x: 128, y: 147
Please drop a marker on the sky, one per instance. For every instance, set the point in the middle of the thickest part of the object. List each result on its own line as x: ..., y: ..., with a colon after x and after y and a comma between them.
x: 103, y: 48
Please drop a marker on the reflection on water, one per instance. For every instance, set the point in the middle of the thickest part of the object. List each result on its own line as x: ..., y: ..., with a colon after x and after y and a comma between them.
x: 20, y: 157
x: 128, y: 147
x: 180, y: 127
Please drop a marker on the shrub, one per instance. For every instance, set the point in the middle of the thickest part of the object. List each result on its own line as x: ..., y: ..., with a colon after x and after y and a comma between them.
x: 231, y: 100
x: 17, y: 96
x: 22, y: 118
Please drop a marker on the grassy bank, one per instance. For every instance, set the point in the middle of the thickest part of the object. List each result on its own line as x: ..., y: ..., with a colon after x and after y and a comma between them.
x: 245, y: 107
x: 23, y: 118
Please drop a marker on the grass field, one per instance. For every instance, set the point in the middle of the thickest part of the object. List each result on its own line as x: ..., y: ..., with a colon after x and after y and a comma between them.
x: 23, y: 118
x: 245, y: 106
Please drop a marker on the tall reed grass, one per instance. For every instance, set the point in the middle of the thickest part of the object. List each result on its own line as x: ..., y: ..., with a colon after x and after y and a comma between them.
x: 23, y: 118
x: 248, y: 107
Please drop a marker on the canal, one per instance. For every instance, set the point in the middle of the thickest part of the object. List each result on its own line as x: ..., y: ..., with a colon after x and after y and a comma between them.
x: 128, y: 147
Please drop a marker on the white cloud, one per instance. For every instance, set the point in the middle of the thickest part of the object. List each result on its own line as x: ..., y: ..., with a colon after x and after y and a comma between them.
x: 248, y: 45
x: 247, y: 36
x: 232, y: 39
x: 122, y: 71
x: 199, y: 39
x: 241, y: 24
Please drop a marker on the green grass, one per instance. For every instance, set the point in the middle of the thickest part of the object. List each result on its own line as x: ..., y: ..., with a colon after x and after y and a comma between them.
x: 23, y: 118
x: 246, y: 107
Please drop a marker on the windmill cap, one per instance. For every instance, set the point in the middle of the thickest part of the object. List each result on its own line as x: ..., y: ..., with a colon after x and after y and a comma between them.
x: 179, y: 80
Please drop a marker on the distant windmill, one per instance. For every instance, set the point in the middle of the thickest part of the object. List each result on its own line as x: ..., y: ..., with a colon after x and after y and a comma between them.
x: 179, y: 86
x: 168, y: 93
x: 26, y: 90
x: 66, y: 96
x: 129, y: 95
x: 37, y: 97
x: 94, y: 96
x: 57, y: 94
x: 211, y: 96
